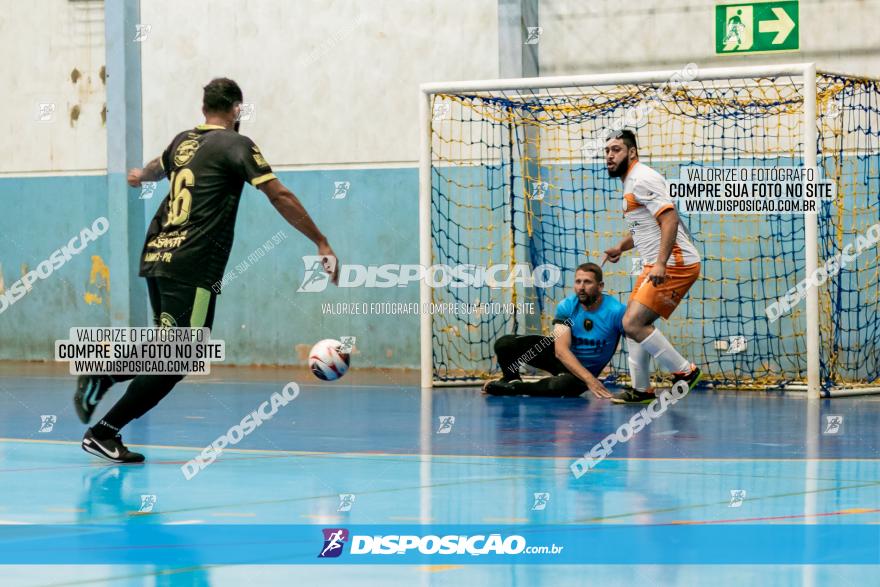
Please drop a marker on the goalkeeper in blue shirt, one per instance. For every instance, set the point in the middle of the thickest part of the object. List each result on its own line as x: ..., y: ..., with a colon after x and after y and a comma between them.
x: 586, y: 330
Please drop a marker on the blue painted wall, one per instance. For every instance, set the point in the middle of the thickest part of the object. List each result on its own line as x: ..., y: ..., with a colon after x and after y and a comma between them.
x: 264, y: 320
x: 260, y: 315
x: 748, y: 263
x: 39, y: 216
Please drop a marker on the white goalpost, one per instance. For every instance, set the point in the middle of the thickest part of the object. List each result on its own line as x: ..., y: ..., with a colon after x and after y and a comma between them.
x: 509, y: 174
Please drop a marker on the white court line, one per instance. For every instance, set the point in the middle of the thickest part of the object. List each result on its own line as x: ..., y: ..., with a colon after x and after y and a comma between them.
x: 233, y: 382
x: 392, y: 455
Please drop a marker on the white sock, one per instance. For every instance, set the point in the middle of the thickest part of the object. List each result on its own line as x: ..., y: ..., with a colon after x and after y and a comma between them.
x: 664, y: 353
x: 639, y: 365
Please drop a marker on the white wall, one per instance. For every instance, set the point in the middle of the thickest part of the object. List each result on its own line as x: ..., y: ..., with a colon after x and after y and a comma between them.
x: 596, y: 36
x: 333, y: 82
x: 42, y: 42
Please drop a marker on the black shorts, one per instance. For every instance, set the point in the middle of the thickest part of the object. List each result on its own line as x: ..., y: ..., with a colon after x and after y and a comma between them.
x: 178, y: 304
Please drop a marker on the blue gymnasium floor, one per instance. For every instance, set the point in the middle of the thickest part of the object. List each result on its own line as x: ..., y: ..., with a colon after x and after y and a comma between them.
x: 380, y: 442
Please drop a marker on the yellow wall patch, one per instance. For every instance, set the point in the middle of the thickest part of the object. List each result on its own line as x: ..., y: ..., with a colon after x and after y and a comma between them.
x: 99, y: 281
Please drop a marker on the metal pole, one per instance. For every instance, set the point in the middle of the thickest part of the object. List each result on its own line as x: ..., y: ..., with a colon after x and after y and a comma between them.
x: 517, y: 43
x: 610, y: 79
x: 811, y: 234
x: 128, y: 299
x: 426, y: 339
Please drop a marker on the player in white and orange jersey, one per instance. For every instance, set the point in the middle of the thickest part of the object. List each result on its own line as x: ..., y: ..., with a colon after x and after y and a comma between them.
x: 671, y: 266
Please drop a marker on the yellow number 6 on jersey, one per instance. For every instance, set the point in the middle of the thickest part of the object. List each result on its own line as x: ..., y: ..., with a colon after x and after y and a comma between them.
x: 181, y: 199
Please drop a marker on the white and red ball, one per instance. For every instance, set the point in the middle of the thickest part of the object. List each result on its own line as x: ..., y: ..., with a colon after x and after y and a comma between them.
x: 326, y: 361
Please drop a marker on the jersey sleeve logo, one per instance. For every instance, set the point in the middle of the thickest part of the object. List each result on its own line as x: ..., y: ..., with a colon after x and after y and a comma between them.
x: 258, y: 157
x: 184, y: 152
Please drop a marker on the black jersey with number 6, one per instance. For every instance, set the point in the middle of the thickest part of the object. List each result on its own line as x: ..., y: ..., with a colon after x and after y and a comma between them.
x: 190, y: 237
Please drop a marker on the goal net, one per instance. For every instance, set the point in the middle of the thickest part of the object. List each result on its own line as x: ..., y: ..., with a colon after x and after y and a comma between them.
x: 517, y: 176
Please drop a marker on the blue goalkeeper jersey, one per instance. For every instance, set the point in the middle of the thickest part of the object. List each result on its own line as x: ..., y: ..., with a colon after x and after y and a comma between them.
x: 594, y: 335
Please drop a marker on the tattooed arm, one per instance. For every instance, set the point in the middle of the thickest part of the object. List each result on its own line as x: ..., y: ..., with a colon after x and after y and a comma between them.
x: 152, y: 171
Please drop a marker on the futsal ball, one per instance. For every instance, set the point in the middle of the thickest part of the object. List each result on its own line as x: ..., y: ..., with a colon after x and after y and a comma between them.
x: 326, y: 361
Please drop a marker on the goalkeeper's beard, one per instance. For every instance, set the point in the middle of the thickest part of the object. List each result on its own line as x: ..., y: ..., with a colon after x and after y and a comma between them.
x: 588, y: 300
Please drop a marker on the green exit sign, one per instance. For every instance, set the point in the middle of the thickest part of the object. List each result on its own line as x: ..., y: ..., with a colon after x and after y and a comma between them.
x: 756, y: 27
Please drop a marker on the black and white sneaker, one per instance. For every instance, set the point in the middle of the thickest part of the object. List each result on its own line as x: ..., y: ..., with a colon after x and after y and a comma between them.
x: 686, y: 382
x: 89, y: 391
x: 110, y: 449
x: 503, y: 388
x: 633, y: 396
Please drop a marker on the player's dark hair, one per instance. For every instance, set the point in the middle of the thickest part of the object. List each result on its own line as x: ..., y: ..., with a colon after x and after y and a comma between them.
x: 627, y: 136
x: 591, y: 268
x: 220, y: 95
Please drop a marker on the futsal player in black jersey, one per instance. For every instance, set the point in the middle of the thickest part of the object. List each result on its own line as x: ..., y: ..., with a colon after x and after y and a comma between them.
x: 187, y: 248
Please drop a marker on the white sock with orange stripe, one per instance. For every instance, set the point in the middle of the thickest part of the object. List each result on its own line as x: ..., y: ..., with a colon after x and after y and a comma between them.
x: 639, y: 365
x: 664, y: 353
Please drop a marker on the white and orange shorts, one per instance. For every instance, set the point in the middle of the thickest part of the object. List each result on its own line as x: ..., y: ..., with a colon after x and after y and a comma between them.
x: 663, y: 299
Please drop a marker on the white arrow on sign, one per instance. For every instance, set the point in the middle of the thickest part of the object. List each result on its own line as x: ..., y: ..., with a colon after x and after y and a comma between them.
x: 782, y: 26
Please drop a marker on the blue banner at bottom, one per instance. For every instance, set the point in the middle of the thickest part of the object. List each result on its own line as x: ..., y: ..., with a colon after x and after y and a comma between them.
x: 177, y: 545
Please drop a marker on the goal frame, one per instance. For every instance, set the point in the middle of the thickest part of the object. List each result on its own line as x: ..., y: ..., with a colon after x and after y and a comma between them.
x: 806, y: 71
